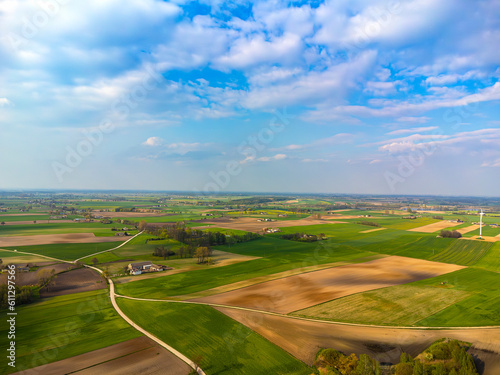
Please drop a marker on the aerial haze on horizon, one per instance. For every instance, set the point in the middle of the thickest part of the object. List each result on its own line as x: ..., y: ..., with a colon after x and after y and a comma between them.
x: 370, y: 97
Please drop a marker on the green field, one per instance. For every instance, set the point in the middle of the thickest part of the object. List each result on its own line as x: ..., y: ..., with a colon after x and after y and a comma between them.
x: 491, y: 261
x: 224, y: 345
x: 463, y: 252
x: 56, y: 228
x: 69, y: 251
x: 61, y: 327
x: 397, y: 305
x: 277, y: 256
x: 481, y: 308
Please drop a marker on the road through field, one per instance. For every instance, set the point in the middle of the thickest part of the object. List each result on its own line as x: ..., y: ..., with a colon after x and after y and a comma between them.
x: 125, y: 317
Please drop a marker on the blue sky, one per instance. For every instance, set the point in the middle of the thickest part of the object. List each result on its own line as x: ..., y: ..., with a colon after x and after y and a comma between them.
x: 377, y: 97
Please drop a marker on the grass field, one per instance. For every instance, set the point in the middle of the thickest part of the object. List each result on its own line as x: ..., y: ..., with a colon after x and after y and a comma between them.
x: 224, y: 346
x: 463, y: 252
x: 67, y: 251
x: 397, y: 305
x: 491, y: 261
x: 277, y: 256
x: 487, y: 231
x: 61, y: 327
x: 481, y: 308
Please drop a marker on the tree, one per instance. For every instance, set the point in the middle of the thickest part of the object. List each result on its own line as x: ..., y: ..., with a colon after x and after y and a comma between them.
x: 142, y: 225
x: 44, y: 275
x: 202, y: 253
x: 199, y: 254
x: 95, y: 261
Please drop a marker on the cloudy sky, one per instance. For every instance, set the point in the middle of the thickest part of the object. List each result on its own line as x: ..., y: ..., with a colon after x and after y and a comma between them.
x: 343, y: 96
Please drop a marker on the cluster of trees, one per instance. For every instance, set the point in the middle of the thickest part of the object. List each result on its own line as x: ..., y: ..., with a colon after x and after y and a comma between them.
x: 125, y: 209
x: 195, y: 237
x: 441, y: 358
x: 333, y: 362
x: 369, y: 223
x: 444, y: 357
x: 450, y: 234
x: 24, y: 294
x: 438, y: 217
x: 163, y: 251
x: 302, y: 237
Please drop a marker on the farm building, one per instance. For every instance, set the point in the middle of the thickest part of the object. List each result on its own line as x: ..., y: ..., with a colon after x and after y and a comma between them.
x: 142, y: 267
x: 271, y: 230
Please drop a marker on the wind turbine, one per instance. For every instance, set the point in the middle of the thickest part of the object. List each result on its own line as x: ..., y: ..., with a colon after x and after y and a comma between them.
x: 481, y: 224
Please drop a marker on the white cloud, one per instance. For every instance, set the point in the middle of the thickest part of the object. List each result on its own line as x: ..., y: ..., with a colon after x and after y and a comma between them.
x: 413, y: 130
x: 493, y: 163
x: 272, y: 158
x: 4, y: 102
x: 153, y: 141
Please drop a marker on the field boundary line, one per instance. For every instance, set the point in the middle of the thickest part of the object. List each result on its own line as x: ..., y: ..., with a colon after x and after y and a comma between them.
x: 302, y: 318
x: 39, y: 255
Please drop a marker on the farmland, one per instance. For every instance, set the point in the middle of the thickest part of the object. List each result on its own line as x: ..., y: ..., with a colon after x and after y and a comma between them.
x: 62, y: 327
x: 224, y: 346
x: 379, y: 267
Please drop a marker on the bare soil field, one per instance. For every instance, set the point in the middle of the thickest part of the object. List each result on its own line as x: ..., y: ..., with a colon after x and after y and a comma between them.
x: 137, y: 356
x: 468, y: 229
x: 372, y: 230
x: 251, y: 224
x: 75, y: 281
x: 130, y: 214
x: 47, y: 239
x: 431, y: 228
x: 262, y: 279
x: 308, y: 289
x: 303, y: 338
x: 32, y: 278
